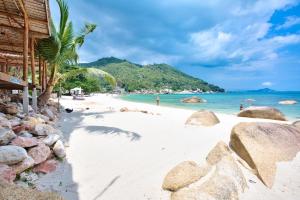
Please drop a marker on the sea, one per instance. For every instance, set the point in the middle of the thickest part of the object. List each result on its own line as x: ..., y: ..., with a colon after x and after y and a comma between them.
x: 228, y: 102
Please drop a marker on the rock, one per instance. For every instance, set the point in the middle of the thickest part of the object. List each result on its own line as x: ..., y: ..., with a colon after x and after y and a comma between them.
x: 6, y: 135
x: 48, y: 113
x: 51, y: 139
x: 13, y: 192
x: 18, y: 129
x: 12, y: 154
x: 261, y: 145
x: 125, y: 109
x: 193, y: 100
x: 59, y: 149
x: 43, y: 129
x: 20, y: 167
x: 297, y: 124
x: 217, y: 153
x: 288, y: 102
x: 39, y: 153
x: 183, y: 175
x: 4, y: 122
x: 43, y: 117
x: 24, y: 142
x: 31, y: 122
x: 7, y: 173
x: 25, y: 134
x: 46, y: 167
x: 15, y: 121
x: 203, y: 118
x: 218, y: 187
x: 262, y: 112
x: 10, y: 109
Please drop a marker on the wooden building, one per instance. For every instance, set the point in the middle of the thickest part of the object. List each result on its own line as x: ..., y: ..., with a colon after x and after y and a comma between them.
x: 22, y: 24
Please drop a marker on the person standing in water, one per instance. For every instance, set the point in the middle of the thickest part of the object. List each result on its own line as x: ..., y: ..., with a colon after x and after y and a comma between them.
x: 241, y: 107
x: 157, y: 100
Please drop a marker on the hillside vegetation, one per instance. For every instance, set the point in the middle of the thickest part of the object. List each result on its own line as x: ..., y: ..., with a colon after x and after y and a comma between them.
x: 133, y: 77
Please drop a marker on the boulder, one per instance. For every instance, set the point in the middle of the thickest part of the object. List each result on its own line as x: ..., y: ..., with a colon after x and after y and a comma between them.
x: 261, y: 145
x: 217, y: 153
x: 51, y: 139
x: 13, y: 192
x: 193, y: 100
x: 15, y: 121
x: 288, y: 102
x: 24, y: 142
x: 12, y: 154
x: 7, y: 173
x: 25, y: 134
x: 18, y: 129
x: 59, y: 149
x: 20, y: 167
x: 183, y: 175
x: 262, y: 112
x: 218, y: 187
x: 10, y: 109
x: 48, y: 113
x: 6, y: 135
x: 46, y: 167
x: 203, y: 118
x: 39, y: 153
x: 43, y: 129
x: 4, y: 122
x: 125, y: 109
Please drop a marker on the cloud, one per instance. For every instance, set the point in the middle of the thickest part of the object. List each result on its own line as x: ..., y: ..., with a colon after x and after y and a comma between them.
x: 267, y: 84
x: 290, y: 22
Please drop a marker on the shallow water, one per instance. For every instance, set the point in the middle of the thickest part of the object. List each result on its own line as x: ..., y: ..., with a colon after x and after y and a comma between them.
x: 228, y: 102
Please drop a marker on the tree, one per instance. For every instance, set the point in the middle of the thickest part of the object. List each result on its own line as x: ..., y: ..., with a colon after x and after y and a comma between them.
x: 60, y: 48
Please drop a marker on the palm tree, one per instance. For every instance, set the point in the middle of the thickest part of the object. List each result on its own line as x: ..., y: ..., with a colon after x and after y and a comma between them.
x: 60, y: 49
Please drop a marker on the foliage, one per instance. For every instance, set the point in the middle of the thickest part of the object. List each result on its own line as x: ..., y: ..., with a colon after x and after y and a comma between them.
x: 157, y: 76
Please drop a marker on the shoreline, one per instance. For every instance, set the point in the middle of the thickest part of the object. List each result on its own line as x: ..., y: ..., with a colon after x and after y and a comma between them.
x: 112, y: 153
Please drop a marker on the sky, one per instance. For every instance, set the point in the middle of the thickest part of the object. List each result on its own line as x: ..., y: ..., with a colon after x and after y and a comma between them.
x: 235, y: 44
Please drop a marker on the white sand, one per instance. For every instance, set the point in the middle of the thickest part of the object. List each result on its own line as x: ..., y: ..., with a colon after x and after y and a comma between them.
x: 125, y: 156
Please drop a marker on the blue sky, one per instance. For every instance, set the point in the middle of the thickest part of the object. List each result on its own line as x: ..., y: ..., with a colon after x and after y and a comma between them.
x: 236, y: 44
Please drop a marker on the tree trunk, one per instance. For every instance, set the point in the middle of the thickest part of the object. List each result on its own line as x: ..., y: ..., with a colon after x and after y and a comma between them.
x: 45, y: 96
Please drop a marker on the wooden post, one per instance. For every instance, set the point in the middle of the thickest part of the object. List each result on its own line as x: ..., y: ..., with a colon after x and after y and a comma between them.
x: 40, y: 71
x: 2, y: 67
x: 45, y: 74
x: 34, y: 95
x: 25, y: 57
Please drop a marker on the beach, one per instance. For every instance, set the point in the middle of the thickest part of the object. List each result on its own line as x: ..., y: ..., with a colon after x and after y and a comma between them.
x: 116, y: 155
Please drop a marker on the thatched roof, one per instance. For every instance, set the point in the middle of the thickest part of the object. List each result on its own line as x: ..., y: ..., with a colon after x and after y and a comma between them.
x: 12, y: 23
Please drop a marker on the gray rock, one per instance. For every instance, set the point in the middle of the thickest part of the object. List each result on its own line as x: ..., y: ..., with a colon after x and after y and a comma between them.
x: 43, y: 129
x: 6, y: 135
x: 12, y: 154
x: 4, y: 122
x: 59, y: 149
x: 51, y: 139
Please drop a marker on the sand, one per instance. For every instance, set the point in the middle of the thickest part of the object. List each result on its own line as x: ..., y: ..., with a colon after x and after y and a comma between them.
x: 115, y: 155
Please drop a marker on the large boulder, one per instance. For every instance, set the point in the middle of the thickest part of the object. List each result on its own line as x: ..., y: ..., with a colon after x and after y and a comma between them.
x: 183, y: 175
x: 12, y: 154
x: 59, y: 149
x: 51, y: 139
x: 193, y: 100
x: 7, y: 173
x: 24, y: 142
x: 20, y: 167
x: 217, y: 153
x: 203, y: 118
x: 261, y: 145
x: 43, y: 129
x: 31, y: 122
x: 6, y: 135
x: 10, y: 109
x: 13, y: 192
x: 264, y: 112
x: 287, y: 102
x: 39, y: 153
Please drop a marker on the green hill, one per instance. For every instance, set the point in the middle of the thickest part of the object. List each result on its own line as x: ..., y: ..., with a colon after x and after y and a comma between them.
x: 132, y: 76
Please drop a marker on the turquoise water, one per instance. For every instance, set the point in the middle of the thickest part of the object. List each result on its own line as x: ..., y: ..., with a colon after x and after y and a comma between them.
x: 228, y: 102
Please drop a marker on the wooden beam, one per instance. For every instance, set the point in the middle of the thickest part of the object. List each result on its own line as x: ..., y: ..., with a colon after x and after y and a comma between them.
x: 11, y: 80
x: 40, y: 70
x: 32, y: 63
x: 32, y: 33
x: 43, y: 75
x: 21, y: 17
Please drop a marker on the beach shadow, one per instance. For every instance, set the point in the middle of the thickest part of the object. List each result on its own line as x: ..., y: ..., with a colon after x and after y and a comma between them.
x: 107, y: 187
x: 107, y: 130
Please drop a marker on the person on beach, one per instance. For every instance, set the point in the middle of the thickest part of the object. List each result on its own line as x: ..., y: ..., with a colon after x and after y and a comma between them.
x: 241, y: 107
x: 157, y: 100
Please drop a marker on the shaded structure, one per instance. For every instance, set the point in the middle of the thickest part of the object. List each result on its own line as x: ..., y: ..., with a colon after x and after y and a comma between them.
x: 22, y: 24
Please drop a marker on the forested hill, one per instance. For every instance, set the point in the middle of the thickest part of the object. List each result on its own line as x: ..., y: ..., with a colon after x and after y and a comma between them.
x: 132, y: 76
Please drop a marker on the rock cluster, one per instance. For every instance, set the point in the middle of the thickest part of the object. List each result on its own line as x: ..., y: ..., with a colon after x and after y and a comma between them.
x: 193, y: 100
x: 28, y: 142
x: 219, y: 178
x: 264, y: 112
